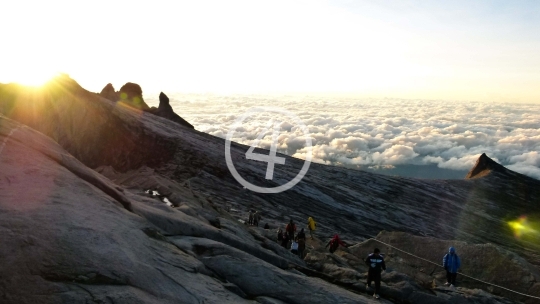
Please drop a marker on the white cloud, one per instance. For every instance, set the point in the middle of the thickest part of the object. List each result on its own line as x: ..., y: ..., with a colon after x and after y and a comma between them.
x: 530, y: 158
x: 390, y: 132
x: 395, y: 155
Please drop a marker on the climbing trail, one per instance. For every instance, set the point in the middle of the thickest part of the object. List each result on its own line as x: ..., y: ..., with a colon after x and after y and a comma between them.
x: 439, y: 265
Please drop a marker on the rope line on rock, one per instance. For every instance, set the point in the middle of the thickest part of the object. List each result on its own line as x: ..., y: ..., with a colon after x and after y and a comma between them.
x: 6, y: 139
x: 495, y: 285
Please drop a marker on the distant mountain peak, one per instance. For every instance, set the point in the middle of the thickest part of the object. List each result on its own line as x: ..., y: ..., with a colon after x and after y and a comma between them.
x: 485, y: 165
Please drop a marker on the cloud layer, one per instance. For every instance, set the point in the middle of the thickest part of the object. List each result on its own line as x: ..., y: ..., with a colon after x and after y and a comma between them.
x: 389, y: 132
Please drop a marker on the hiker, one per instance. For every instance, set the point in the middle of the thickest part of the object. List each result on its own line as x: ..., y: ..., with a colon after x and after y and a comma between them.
x: 266, y: 226
x: 375, y: 262
x: 279, y: 235
x: 256, y: 218
x: 250, y: 220
x: 334, y: 243
x: 301, y: 234
x: 311, y: 226
x: 294, y: 246
x: 291, y: 229
x: 301, y: 243
x: 451, y: 264
x: 284, y: 240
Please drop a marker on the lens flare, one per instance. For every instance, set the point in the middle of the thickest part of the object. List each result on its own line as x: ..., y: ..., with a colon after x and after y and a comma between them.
x: 521, y: 227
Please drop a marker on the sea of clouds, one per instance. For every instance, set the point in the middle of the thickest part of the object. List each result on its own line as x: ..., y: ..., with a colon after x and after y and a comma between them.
x: 364, y: 133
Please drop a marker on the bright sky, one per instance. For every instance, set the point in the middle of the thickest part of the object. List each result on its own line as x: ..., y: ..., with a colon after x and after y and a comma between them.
x: 467, y: 50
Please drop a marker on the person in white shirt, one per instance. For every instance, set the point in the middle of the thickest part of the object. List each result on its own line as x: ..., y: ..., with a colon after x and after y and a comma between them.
x: 294, y: 246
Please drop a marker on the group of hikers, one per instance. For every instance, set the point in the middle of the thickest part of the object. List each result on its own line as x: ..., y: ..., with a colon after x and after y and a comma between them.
x: 254, y: 218
x: 375, y: 262
x: 296, y: 243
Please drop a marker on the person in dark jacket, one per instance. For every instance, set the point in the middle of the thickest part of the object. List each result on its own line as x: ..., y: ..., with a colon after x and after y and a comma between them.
x: 375, y: 262
x: 285, y: 240
x: 451, y: 263
x: 301, y: 243
x: 250, y: 217
x: 256, y: 218
x: 334, y: 243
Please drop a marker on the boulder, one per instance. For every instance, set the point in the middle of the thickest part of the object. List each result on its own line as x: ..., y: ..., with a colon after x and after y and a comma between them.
x: 131, y: 95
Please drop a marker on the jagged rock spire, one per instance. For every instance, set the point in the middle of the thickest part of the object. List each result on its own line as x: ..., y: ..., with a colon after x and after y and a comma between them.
x: 109, y: 92
x: 165, y: 110
x: 164, y: 102
x: 484, y: 165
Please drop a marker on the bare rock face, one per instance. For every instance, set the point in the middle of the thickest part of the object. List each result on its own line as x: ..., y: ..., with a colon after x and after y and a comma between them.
x: 485, y: 262
x: 131, y: 94
x: 484, y: 165
x: 109, y: 93
x: 409, y: 280
x: 73, y: 236
x: 166, y: 111
x: 67, y: 238
x: 95, y: 132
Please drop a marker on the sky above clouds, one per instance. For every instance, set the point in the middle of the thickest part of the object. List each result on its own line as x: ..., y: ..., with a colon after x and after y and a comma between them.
x: 363, y: 133
x: 379, y: 83
x: 451, y: 50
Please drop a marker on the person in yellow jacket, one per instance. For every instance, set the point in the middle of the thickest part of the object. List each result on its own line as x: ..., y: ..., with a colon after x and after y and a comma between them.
x: 311, y: 226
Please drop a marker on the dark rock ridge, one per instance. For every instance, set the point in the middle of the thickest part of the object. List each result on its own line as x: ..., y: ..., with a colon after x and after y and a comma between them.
x: 131, y: 94
x: 95, y: 132
x: 484, y: 165
x: 165, y: 110
x: 69, y: 238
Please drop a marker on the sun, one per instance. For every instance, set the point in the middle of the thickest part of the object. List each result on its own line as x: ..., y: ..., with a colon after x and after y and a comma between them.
x: 38, y: 78
x: 35, y: 78
x: 29, y: 73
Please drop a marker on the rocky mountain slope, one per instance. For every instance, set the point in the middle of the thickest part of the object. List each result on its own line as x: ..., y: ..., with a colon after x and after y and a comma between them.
x: 75, y: 170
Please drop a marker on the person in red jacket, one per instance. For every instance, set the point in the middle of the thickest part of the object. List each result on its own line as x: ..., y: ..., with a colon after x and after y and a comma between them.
x: 290, y: 229
x: 334, y: 243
